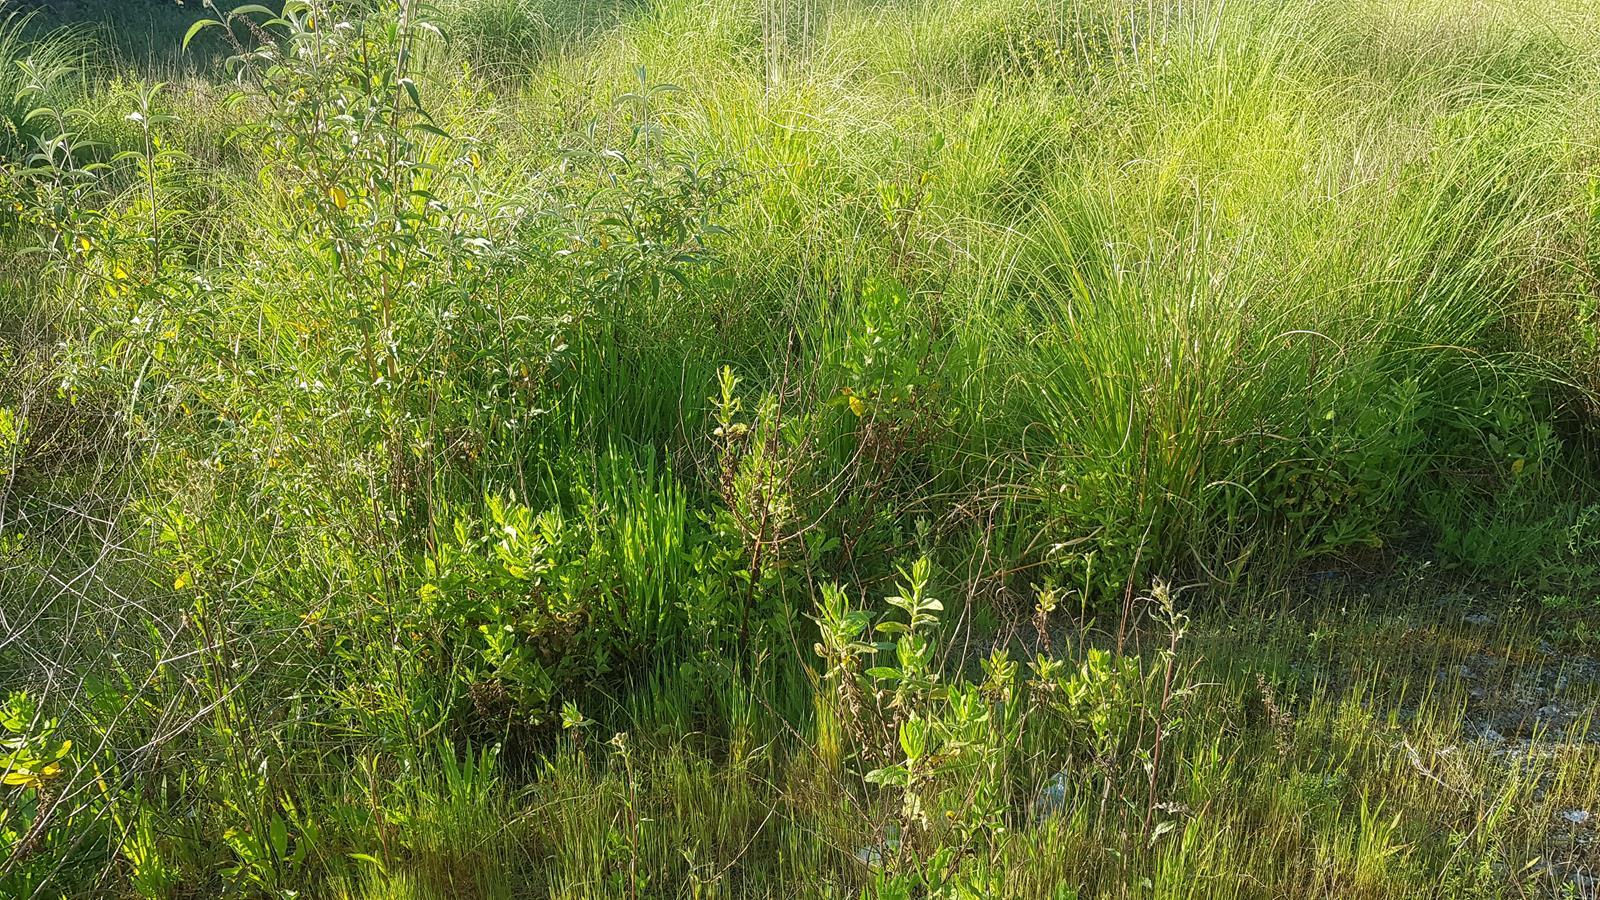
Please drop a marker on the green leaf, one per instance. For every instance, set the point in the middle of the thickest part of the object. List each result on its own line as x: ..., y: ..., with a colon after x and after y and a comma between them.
x: 914, y: 738
x: 370, y: 860
x: 196, y: 28
x: 895, y: 775
x: 278, y: 832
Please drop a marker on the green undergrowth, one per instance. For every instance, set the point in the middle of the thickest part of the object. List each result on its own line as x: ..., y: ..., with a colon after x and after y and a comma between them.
x: 795, y: 447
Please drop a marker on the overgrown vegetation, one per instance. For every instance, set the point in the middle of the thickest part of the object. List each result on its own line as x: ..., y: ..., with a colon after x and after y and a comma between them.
x: 770, y: 448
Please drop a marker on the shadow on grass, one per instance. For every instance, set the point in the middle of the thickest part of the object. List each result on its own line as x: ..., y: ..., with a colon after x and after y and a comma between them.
x: 146, y: 35
x: 504, y: 39
x: 507, y: 39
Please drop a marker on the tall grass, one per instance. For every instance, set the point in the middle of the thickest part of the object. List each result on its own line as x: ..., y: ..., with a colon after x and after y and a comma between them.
x: 591, y: 449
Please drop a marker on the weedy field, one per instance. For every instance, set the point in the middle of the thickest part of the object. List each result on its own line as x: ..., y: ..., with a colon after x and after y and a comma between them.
x: 800, y: 448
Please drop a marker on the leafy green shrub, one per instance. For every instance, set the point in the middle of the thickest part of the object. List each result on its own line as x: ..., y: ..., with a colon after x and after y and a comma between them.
x: 36, y: 75
x: 522, y: 606
x: 955, y: 759
x: 32, y: 761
